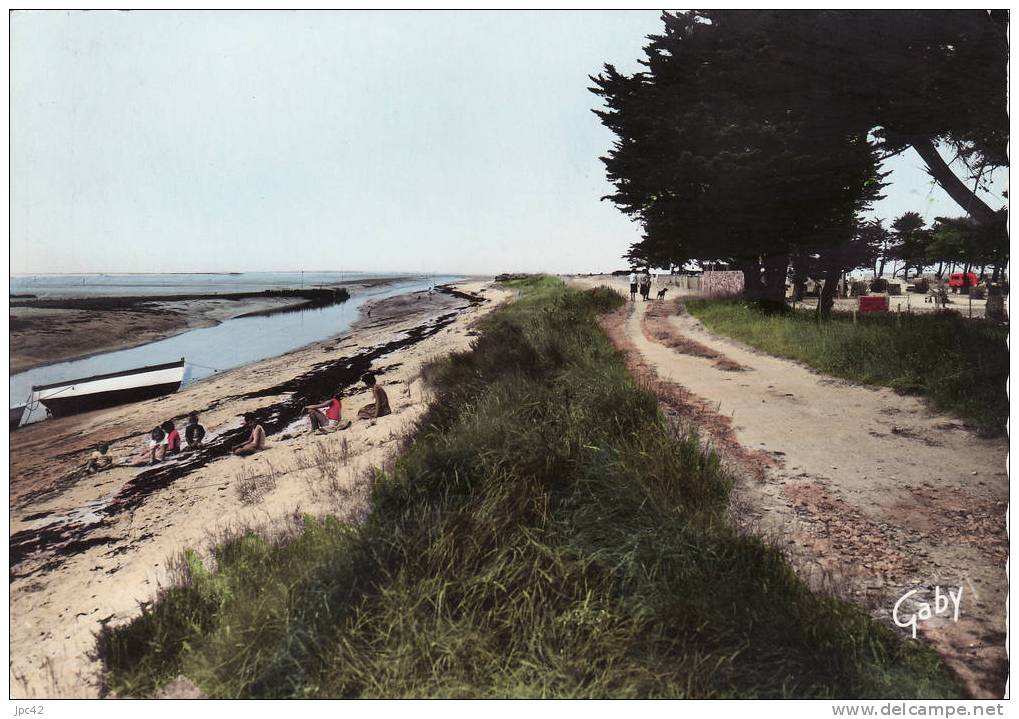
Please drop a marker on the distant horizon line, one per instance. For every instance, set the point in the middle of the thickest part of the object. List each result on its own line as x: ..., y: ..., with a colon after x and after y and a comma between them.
x: 237, y: 272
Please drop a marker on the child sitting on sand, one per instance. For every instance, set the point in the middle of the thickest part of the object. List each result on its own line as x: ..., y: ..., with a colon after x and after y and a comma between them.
x: 172, y: 437
x: 256, y: 440
x: 194, y: 433
x: 378, y: 408
x: 99, y: 459
x: 330, y: 421
x: 153, y: 451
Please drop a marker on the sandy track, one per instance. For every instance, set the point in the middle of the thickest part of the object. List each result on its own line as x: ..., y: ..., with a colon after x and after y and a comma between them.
x: 61, y: 593
x: 870, y: 494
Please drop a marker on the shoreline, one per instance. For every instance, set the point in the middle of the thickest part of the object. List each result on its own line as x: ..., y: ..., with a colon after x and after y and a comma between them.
x: 46, y: 332
x: 87, y: 549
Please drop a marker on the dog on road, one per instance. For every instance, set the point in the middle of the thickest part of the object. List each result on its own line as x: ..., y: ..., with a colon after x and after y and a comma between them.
x: 661, y: 293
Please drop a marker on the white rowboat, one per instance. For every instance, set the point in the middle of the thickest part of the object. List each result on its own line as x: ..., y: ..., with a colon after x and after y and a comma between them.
x: 107, y: 390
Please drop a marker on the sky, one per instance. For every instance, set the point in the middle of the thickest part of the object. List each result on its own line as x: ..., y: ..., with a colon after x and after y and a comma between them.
x: 458, y: 142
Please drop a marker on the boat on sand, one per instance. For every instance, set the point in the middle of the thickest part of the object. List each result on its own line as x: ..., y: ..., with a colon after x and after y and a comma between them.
x: 108, y: 390
x: 16, y: 414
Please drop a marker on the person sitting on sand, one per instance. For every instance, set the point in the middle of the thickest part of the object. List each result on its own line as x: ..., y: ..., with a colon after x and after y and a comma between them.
x: 172, y: 437
x: 99, y: 459
x: 378, y: 408
x: 256, y: 440
x: 153, y: 451
x: 330, y: 421
x: 194, y: 433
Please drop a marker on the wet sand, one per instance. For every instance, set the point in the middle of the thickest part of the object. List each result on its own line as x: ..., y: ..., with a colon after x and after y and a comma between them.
x: 85, y: 550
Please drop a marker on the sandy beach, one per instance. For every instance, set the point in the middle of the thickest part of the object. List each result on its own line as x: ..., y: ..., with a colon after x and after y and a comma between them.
x: 89, y: 550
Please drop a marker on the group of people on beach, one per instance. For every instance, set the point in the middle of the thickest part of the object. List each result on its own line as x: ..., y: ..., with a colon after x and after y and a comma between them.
x: 323, y: 418
x: 327, y: 416
x: 165, y: 441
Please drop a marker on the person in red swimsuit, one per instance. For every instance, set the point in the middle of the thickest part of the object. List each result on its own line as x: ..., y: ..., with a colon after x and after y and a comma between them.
x: 172, y: 437
x: 330, y: 420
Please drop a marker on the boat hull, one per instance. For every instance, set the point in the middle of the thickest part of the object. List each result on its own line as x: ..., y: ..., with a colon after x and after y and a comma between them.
x: 16, y: 414
x: 64, y: 406
x: 109, y: 390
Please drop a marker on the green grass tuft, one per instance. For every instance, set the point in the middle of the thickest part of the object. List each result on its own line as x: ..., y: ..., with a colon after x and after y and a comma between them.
x: 545, y: 534
x: 960, y: 365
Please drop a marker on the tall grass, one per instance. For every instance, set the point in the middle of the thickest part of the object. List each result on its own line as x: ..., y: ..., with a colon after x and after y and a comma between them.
x: 545, y: 533
x: 959, y: 365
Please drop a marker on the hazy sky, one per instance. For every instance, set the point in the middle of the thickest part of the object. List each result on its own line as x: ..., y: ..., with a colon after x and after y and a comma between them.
x: 415, y: 141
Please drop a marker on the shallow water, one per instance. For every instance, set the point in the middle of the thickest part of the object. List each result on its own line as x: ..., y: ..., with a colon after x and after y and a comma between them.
x: 230, y: 344
x: 62, y: 286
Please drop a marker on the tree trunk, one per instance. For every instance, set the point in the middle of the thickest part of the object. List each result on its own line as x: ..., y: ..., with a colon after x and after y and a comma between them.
x: 941, y: 269
x: 983, y: 269
x: 882, y: 270
x: 996, y: 273
x: 776, y: 269
x: 799, y: 278
x: 950, y: 183
x: 752, y: 287
x: 827, y: 299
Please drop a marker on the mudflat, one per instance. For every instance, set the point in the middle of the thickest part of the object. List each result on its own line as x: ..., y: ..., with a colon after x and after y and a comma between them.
x: 45, y: 335
x: 46, y: 331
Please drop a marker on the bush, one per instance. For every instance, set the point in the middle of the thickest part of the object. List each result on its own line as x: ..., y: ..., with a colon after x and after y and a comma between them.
x: 921, y: 285
x: 604, y: 299
x: 768, y: 307
x: 978, y: 293
x: 859, y: 287
x: 879, y: 284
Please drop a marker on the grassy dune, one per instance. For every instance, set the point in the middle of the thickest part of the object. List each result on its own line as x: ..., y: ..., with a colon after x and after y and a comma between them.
x: 544, y: 534
x: 960, y: 365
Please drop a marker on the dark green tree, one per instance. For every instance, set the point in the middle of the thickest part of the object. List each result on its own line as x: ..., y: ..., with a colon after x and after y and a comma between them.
x: 878, y: 239
x: 722, y: 157
x: 911, y: 238
x: 917, y: 78
x: 963, y: 241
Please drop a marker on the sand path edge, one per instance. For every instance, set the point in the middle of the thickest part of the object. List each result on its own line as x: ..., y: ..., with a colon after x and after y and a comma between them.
x: 870, y: 494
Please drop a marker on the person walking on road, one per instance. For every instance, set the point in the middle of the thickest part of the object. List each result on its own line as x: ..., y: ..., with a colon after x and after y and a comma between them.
x: 645, y: 285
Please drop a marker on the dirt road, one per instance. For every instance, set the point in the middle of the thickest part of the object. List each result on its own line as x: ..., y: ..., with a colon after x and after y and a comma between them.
x: 869, y: 493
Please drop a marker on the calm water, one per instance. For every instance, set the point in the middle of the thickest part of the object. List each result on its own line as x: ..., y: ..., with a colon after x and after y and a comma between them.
x: 230, y: 344
x: 178, y: 284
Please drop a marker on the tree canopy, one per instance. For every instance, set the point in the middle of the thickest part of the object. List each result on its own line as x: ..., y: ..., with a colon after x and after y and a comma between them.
x: 751, y: 136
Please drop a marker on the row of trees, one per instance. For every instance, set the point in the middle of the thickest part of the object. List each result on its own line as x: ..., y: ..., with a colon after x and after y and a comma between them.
x: 755, y: 137
x: 950, y: 243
